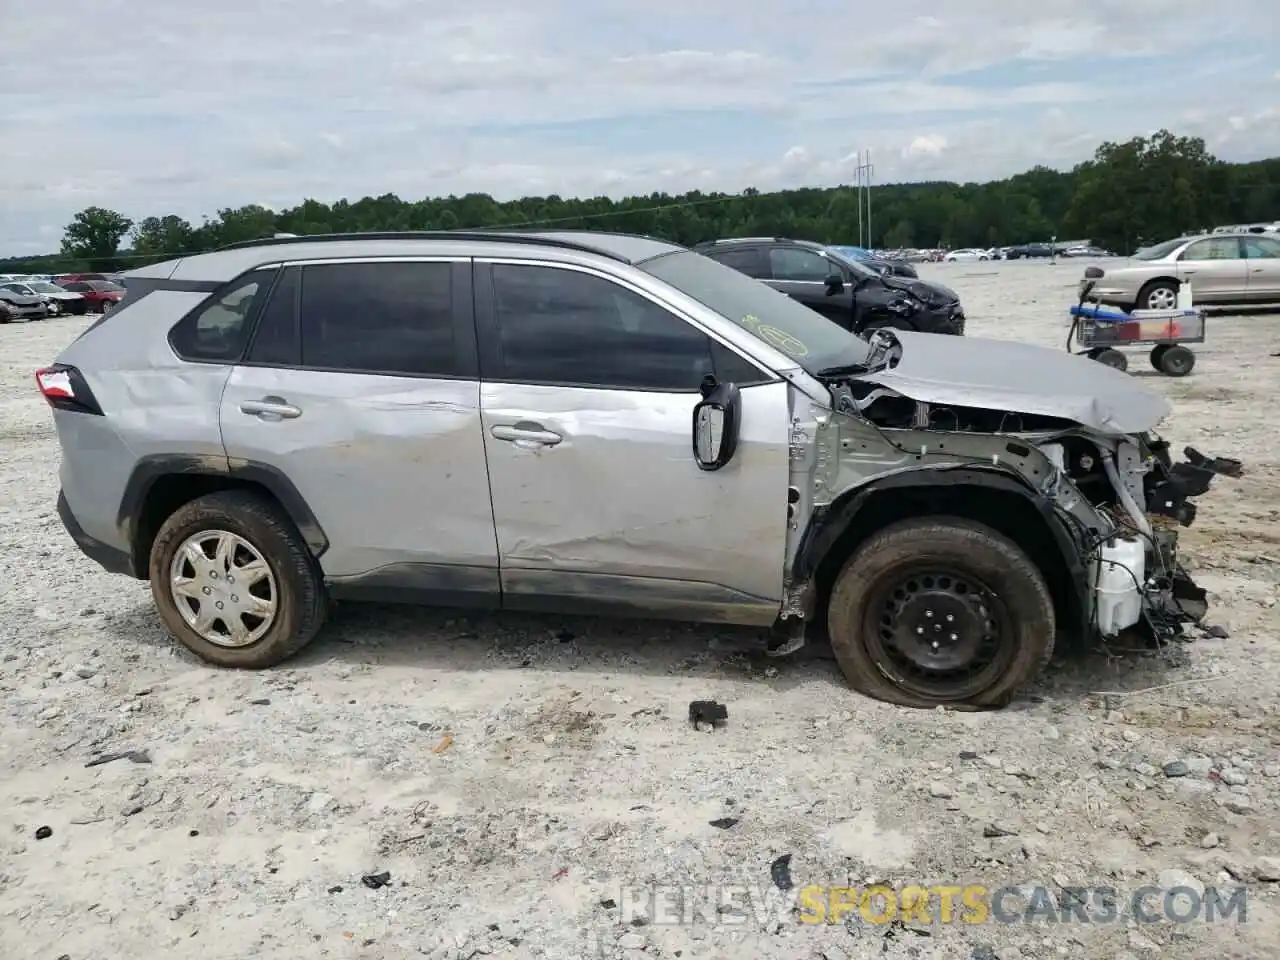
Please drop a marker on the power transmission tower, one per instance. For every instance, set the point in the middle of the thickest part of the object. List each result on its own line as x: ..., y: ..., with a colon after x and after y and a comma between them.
x: 862, y: 181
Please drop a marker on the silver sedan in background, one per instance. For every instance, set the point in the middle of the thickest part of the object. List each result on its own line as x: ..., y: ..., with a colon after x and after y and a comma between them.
x: 1223, y: 269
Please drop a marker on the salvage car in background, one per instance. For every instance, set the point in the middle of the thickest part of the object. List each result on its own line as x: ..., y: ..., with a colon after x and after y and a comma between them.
x: 57, y: 300
x: 618, y: 425
x: 967, y: 256
x: 852, y: 294
x: 100, y: 295
x: 24, y: 306
x: 1223, y: 269
x: 898, y: 266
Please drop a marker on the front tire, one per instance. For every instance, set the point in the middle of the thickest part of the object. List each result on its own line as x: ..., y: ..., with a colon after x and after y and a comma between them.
x: 940, y: 610
x: 234, y: 582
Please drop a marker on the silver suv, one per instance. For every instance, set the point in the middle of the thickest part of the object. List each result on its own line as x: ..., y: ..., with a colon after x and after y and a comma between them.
x: 607, y: 424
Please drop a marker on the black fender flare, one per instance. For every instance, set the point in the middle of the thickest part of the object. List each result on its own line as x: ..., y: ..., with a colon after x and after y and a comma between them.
x: 825, y: 528
x: 151, y: 469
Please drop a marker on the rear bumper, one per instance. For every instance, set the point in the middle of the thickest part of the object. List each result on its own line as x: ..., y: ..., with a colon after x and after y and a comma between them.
x: 106, y: 556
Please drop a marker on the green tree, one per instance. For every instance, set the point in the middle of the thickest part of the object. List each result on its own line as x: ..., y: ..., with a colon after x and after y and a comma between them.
x: 1150, y: 187
x: 94, y: 235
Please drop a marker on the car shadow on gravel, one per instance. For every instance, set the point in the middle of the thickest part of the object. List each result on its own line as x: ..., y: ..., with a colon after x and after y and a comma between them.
x: 428, y: 638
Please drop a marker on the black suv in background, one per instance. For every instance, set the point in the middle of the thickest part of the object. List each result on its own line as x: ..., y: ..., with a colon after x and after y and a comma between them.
x: 852, y: 294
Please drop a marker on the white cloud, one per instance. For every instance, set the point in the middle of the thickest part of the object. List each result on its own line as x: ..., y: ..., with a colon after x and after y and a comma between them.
x: 164, y: 107
x: 927, y: 144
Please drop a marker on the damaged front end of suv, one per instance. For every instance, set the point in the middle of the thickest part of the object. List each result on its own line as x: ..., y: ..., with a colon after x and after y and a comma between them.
x: 1056, y: 454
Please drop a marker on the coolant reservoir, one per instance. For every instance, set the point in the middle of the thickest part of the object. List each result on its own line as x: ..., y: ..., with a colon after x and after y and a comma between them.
x: 1121, y: 574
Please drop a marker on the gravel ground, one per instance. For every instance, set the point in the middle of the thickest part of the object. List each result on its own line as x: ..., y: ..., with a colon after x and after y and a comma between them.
x: 516, y: 776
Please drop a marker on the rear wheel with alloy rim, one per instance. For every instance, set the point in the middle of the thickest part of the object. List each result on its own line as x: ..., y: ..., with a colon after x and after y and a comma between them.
x: 940, y: 611
x: 234, y: 582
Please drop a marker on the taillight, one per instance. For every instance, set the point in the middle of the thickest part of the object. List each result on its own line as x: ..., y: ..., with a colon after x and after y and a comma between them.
x: 64, y: 387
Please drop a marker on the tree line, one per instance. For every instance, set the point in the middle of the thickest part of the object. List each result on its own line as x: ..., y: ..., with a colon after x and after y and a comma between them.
x: 1140, y: 191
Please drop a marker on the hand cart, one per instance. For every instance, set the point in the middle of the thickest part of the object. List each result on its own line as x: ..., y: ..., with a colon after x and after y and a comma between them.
x: 1102, y: 331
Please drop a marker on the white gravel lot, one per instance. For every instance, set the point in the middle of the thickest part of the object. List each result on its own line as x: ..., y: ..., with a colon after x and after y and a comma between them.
x: 514, y: 773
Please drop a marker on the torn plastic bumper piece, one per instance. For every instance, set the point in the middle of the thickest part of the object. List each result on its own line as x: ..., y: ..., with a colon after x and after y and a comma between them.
x: 1176, y: 483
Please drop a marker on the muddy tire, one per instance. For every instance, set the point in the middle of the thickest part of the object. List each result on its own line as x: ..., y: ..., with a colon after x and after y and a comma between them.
x: 940, y: 610
x: 234, y: 582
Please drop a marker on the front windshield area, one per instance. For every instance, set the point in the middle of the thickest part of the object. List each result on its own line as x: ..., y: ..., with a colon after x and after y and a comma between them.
x: 856, y: 267
x: 809, y: 338
x: 44, y: 286
x: 1160, y: 250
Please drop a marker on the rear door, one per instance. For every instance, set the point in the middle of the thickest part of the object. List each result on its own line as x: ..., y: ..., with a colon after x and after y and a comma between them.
x: 589, y: 386
x: 1216, y: 269
x: 802, y: 274
x: 360, y: 385
x: 1262, y: 260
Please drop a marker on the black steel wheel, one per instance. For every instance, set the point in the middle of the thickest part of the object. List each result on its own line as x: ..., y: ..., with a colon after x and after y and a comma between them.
x: 940, y: 610
x: 940, y: 633
x: 1113, y: 358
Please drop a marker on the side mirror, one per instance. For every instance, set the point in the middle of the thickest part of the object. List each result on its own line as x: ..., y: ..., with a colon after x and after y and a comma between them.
x: 835, y: 283
x: 715, y: 424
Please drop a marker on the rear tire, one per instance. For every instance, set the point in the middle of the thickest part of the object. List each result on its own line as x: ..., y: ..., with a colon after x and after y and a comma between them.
x: 296, y: 586
x: 905, y: 581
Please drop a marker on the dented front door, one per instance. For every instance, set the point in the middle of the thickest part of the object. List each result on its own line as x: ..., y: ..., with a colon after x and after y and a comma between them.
x: 587, y: 398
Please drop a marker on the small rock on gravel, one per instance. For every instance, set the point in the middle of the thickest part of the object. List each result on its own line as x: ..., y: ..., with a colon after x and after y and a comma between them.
x: 1176, y: 768
x: 940, y: 790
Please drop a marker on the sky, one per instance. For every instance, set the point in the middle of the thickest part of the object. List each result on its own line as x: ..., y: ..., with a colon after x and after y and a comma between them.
x: 151, y: 107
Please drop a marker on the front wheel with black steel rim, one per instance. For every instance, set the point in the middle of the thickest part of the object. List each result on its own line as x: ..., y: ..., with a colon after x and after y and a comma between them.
x: 1111, y: 358
x: 940, y: 611
x: 234, y: 582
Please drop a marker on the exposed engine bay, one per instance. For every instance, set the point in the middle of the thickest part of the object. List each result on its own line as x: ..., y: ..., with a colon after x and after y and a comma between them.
x: 1121, y: 494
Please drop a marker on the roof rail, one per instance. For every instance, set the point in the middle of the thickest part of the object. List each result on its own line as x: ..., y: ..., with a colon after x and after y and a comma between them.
x: 499, y: 236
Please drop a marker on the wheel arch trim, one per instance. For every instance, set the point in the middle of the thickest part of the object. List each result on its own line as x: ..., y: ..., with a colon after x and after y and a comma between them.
x: 826, y: 528
x: 152, y: 469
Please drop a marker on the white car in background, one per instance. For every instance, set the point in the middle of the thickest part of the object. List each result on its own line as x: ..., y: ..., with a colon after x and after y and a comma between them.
x: 967, y: 256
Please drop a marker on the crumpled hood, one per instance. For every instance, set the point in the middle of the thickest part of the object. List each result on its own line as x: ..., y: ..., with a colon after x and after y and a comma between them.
x: 925, y: 291
x: 1020, y: 378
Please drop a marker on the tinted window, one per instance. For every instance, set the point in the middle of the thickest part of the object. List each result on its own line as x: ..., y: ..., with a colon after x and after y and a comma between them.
x: 794, y: 263
x: 275, y: 342
x: 394, y: 318
x: 77, y: 287
x: 1261, y: 248
x: 218, y: 330
x: 751, y: 261
x: 1214, y: 248
x: 105, y: 286
x: 563, y: 326
x: 805, y: 335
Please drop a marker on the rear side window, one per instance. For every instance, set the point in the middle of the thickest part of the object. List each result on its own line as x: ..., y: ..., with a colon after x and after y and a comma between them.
x: 218, y: 330
x: 389, y: 318
x: 276, y: 342
x: 750, y: 261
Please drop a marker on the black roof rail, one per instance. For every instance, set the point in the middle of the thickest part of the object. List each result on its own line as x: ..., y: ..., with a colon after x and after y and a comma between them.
x: 493, y: 236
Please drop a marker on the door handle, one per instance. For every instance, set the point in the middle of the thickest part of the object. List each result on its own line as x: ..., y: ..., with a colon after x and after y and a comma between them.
x: 526, y: 434
x: 270, y: 408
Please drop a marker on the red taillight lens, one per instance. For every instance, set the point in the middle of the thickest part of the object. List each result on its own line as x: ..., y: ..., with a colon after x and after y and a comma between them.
x: 63, y: 386
x: 55, y: 382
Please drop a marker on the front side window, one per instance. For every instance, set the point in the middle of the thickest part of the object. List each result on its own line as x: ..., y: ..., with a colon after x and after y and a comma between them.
x: 218, y: 331
x: 391, y: 318
x: 795, y: 264
x: 1261, y: 248
x: 569, y: 327
x: 1213, y: 248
